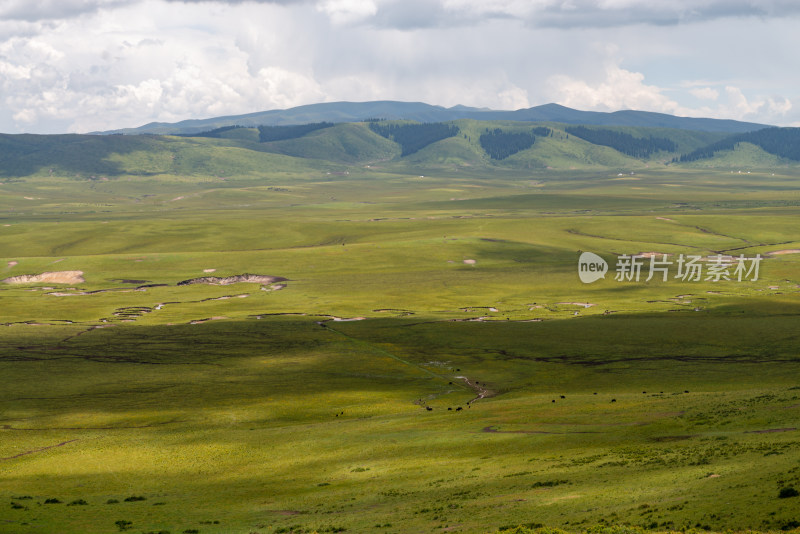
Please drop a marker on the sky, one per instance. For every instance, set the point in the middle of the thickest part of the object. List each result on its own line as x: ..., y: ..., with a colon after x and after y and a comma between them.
x: 90, y: 65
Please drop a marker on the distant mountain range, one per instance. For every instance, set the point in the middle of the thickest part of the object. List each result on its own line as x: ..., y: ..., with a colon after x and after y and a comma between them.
x: 339, y: 112
x: 405, y: 146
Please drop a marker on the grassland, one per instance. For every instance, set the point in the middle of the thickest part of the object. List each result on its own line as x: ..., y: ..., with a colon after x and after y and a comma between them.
x: 246, y: 408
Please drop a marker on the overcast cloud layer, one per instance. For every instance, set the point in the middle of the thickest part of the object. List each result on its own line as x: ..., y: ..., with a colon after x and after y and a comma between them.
x: 84, y: 65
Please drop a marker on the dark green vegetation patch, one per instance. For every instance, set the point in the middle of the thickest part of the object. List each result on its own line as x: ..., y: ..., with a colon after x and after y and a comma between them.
x: 499, y: 144
x: 267, y: 134
x: 782, y: 142
x: 414, y: 137
x: 626, y: 143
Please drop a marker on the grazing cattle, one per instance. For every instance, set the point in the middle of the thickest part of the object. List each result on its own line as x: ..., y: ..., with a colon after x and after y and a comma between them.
x: 613, y: 400
x: 429, y: 408
x: 449, y: 408
x: 553, y: 400
x: 459, y: 409
x: 563, y: 397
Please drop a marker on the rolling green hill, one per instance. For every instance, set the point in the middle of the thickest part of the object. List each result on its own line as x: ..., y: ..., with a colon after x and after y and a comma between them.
x: 349, y: 143
x: 326, y: 147
x: 98, y: 157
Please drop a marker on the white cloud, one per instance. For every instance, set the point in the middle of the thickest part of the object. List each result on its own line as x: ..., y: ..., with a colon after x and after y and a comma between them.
x: 705, y: 93
x: 113, y: 76
x: 482, y: 8
x: 347, y: 11
x: 621, y: 89
x: 53, y: 9
x: 779, y: 106
x: 101, y: 64
x: 738, y: 106
x: 513, y: 98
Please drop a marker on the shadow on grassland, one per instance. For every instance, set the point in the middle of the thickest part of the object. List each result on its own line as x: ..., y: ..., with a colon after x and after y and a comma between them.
x: 753, y: 331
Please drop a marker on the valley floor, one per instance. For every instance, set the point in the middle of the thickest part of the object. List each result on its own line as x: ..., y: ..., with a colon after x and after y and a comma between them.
x: 410, y: 353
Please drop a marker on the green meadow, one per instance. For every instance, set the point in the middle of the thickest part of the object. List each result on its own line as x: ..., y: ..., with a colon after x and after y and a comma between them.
x: 432, y: 362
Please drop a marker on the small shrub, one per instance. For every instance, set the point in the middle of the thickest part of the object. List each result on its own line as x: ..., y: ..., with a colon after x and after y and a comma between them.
x: 790, y: 525
x: 785, y: 493
x: 123, y: 525
x: 519, y: 474
x: 191, y: 531
x: 518, y: 528
x: 549, y: 483
x: 17, y: 506
x: 525, y: 529
x: 78, y: 502
x: 52, y: 500
x: 23, y: 498
x: 112, y: 501
x: 135, y: 498
x: 615, y: 529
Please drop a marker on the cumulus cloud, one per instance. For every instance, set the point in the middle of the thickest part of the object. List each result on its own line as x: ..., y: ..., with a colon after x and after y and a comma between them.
x: 741, y: 107
x: 83, y: 65
x: 620, y: 89
x: 623, y: 89
x: 112, y: 77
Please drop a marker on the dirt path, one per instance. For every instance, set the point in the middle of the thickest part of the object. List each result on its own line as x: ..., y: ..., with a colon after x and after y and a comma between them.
x: 494, y: 430
x: 771, y: 430
x: 783, y: 252
x: 445, y: 381
x: 574, y: 231
x: 482, y: 392
x: 747, y: 243
x: 39, y: 449
x: 327, y: 326
x: 128, y: 427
